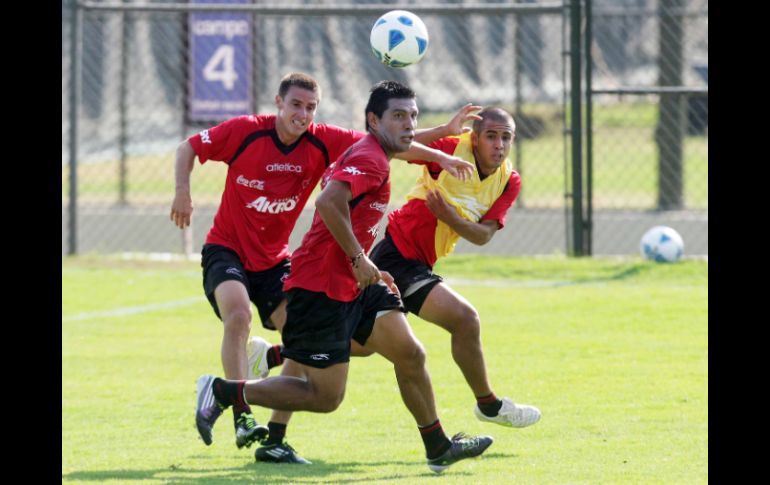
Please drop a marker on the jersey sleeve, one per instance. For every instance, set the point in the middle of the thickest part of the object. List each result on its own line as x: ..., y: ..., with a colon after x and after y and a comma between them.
x: 361, y: 175
x: 221, y: 141
x: 499, y: 209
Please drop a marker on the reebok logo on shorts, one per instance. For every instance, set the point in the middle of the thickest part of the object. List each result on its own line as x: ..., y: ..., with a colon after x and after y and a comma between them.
x: 320, y: 356
x: 234, y: 270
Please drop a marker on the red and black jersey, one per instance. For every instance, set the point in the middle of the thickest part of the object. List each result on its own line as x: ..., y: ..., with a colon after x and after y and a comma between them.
x: 319, y: 264
x: 268, y: 183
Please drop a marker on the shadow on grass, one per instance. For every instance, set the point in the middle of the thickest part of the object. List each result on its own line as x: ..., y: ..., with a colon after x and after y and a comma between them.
x: 271, y: 473
x: 494, y: 455
x: 624, y: 274
x: 616, y: 275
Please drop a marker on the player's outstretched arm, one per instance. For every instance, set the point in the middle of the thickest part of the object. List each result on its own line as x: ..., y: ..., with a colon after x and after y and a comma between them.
x: 478, y: 233
x: 456, y: 166
x: 452, y: 127
x: 182, y: 206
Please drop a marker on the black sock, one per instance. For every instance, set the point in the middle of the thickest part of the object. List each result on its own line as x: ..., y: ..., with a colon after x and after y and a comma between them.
x: 489, y: 405
x: 277, y: 433
x: 229, y: 393
x: 436, y: 442
x: 274, y: 357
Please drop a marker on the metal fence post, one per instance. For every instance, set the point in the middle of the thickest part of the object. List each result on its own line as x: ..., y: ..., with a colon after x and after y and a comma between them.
x: 517, y: 54
x: 669, y: 133
x: 576, y: 128
x: 123, y: 102
x: 74, y: 95
x: 589, y: 214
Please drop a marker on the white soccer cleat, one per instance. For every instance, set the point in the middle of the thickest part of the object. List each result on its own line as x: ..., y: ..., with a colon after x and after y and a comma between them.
x: 511, y: 414
x: 257, y: 349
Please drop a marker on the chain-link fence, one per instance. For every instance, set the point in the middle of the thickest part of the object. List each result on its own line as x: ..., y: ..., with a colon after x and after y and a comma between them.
x: 134, y: 77
x: 650, y: 121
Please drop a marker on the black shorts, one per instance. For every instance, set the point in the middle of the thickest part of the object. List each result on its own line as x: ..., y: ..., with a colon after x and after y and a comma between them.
x: 318, y: 329
x: 413, y: 278
x: 265, y: 288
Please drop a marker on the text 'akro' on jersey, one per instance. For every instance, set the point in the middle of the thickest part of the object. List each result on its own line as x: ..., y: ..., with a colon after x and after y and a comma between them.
x: 319, y: 264
x: 268, y: 183
x: 419, y: 235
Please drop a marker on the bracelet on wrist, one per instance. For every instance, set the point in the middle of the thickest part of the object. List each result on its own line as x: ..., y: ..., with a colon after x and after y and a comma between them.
x: 354, y: 259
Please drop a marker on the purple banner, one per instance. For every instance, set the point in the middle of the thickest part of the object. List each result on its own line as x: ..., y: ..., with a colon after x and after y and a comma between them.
x: 220, y: 64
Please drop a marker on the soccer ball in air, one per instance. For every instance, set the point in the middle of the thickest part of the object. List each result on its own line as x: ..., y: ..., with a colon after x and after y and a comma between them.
x: 662, y: 244
x: 399, y: 38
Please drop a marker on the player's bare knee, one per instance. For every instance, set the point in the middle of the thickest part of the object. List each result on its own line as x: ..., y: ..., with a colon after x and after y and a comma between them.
x: 412, y: 357
x: 330, y: 401
x: 238, y: 321
x: 469, y: 324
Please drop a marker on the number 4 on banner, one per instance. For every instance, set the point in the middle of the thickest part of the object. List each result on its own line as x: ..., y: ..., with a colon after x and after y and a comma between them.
x: 221, y: 67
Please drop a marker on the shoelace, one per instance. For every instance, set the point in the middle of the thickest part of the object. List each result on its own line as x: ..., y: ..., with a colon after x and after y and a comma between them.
x: 512, y: 411
x: 516, y: 412
x: 247, y: 421
x: 466, y: 441
x: 288, y: 447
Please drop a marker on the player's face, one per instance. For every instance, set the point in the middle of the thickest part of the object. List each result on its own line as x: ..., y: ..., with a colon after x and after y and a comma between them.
x: 395, y: 129
x: 295, y: 112
x: 493, y: 144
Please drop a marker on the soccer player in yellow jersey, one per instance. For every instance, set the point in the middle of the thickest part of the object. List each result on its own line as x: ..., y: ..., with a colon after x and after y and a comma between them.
x: 441, y: 209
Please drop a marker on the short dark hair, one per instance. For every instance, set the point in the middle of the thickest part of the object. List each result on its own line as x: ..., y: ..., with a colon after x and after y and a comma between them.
x: 381, y: 93
x: 492, y: 114
x: 301, y: 80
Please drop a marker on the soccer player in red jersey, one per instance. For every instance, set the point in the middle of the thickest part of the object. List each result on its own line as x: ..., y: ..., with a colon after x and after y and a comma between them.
x: 335, y: 294
x: 274, y: 163
x: 438, y: 212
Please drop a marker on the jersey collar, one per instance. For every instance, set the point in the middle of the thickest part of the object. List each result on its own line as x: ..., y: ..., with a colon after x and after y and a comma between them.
x: 285, y: 149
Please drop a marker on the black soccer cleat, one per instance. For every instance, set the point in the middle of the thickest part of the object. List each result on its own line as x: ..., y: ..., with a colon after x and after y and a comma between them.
x: 247, y: 430
x: 463, y: 446
x: 279, y: 453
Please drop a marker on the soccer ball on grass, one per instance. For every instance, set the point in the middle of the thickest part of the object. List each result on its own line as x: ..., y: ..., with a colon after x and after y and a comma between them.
x: 662, y: 244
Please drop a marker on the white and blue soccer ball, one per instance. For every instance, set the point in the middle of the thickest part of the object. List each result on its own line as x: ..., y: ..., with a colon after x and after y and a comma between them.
x: 399, y: 38
x: 662, y: 244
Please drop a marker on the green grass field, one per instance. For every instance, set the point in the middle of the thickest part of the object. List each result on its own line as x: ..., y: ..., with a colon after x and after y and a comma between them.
x: 613, y: 351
